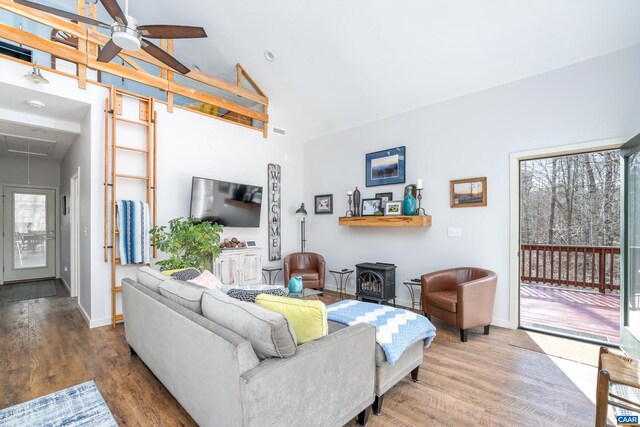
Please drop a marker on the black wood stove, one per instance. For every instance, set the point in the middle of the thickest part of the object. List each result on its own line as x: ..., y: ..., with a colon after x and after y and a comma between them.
x: 376, y: 282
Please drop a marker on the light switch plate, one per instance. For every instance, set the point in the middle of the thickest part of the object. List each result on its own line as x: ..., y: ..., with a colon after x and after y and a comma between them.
x: 454, y: 232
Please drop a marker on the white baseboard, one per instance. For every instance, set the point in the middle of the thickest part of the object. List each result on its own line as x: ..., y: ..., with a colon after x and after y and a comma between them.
x: 100, y: 322
x: 84, y: 314
x: 501, y: 323
x: 66, y: 285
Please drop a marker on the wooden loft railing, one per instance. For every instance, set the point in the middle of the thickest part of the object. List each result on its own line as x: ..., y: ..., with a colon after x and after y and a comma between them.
x: 85, y: 56
x: 579, y: 266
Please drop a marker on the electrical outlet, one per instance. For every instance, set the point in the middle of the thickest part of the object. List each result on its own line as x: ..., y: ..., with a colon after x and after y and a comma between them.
x: 454, y: 232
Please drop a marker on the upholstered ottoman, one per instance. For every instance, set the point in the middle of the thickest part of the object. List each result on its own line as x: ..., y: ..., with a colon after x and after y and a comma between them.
x: 389, y: 375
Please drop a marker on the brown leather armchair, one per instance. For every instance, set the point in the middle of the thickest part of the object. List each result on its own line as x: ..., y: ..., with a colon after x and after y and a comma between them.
x: 308, y: 265
x: 463, y: 297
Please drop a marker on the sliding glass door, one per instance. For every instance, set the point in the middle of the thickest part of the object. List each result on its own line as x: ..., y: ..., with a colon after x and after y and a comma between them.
x: 630, y: 328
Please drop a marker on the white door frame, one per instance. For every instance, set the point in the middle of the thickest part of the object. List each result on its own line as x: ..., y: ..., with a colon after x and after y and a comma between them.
x: 57, y: 226
x: 514, y: 207
x: 74, y: 238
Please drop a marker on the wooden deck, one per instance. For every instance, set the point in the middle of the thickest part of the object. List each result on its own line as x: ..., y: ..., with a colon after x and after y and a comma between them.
x: 590, y: 315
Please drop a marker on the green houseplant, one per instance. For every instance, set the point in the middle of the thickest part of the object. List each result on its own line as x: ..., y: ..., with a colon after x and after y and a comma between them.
x: 189, y: 241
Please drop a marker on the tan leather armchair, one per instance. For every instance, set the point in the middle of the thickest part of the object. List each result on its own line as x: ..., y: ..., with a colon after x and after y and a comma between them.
x: 463, y: 297
x: 308, y: 265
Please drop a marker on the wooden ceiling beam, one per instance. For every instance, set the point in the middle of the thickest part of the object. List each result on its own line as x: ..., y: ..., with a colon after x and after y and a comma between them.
x: 228, y: 87
x: 36, y: 42
x: 250, y: 80
x: 43, y: 18
x: 218, y: 102
x: 128, y: 73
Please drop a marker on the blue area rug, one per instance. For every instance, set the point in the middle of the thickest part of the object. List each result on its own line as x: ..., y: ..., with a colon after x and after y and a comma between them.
x: 80, y: 405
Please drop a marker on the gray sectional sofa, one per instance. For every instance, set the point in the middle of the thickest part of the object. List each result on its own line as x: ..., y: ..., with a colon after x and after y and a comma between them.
x: 219, y: 379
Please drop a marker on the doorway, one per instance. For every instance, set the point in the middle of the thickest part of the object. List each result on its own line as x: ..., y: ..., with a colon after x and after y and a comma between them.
x: 29, y: 242
x: 570, y: 245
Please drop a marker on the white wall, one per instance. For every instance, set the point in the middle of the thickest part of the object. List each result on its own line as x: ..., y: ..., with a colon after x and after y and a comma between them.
x: 189, y: 145
x: 13, y: 170
x: 467, y: 137
x: 78, y: 156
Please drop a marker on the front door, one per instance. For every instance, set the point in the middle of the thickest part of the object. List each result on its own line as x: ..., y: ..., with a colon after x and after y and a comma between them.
x: 29, y: 233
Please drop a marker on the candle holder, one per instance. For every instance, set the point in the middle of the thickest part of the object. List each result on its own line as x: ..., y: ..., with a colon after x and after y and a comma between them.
x: 420, y: 203
x: 349, y: 212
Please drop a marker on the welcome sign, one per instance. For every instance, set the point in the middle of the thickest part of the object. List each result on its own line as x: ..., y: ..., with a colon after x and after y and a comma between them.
x: 273, y: 181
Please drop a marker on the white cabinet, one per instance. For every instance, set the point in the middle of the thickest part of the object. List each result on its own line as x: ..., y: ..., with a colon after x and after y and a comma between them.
x: 239, y: 266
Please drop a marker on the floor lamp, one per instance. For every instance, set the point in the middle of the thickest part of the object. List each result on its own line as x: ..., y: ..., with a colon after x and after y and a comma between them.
x: 302, y: 213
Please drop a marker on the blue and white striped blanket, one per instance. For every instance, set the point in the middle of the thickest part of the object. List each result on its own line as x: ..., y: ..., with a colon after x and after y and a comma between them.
x: 133, y: 224
x: 396, y: 329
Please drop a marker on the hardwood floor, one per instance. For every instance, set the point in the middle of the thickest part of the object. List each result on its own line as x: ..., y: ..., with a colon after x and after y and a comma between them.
x: 47, y: 346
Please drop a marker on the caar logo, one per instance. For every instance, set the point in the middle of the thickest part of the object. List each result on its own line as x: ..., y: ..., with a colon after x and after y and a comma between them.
x: 627, y: 420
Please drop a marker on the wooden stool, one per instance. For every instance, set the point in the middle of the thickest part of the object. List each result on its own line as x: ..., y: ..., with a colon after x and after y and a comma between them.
x: 620, y: 372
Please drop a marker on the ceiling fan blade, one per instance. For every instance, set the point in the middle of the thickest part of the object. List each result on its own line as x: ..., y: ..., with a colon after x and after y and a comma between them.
x: 62, y: 13
x: 108, y: 52
x: 163, y: 56
x: 113, y: 9
x: 171, y: 32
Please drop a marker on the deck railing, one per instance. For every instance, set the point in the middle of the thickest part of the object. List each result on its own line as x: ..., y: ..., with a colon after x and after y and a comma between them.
x: 581, y: 266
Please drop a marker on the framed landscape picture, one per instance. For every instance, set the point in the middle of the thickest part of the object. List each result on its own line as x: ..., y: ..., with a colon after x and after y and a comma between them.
x: 468, y: 193
x: 385, y: 167
x: 324, y: 204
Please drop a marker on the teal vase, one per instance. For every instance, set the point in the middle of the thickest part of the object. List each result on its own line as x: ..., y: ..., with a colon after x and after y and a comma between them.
x: 409, y: 204
x: 295, y: 284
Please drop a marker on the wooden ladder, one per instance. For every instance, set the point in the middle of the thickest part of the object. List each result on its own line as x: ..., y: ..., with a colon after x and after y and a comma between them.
x: 148, y: 119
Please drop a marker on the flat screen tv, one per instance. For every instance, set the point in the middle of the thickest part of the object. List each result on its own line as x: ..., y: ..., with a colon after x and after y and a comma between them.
x: 227, y: 203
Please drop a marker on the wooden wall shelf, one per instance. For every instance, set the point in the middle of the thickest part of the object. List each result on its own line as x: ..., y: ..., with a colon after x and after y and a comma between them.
x: 386, y: 221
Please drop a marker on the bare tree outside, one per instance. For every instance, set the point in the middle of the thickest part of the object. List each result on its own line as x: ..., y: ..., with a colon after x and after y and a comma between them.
x: 571, y: 200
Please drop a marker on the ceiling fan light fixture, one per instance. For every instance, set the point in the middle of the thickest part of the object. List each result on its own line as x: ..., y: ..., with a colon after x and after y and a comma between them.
x: 35, y: 75
x: 127, y: 37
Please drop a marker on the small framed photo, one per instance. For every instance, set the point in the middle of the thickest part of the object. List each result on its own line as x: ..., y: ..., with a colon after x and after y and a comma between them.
x: 393, y: 208
x: 468, y: 193
x: 371, y: 206
x: 324, y: 204
x: 385, y: 197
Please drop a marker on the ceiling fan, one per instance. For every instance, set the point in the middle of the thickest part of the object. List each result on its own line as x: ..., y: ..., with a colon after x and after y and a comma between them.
x: 127, y: 34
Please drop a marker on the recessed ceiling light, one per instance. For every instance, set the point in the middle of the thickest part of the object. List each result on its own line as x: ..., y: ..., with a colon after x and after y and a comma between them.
x: 195, y: 67
x: 36, y: 130
x: 268, y: 55
x: 35, y: 104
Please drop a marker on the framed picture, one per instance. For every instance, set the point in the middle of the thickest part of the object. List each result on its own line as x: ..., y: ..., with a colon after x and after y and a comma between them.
x: 393, y: 208
x: 385, y: 167
x: 468, y: 193
x: 385, y: 197
x: 371, y: 206
x: 324, y: 204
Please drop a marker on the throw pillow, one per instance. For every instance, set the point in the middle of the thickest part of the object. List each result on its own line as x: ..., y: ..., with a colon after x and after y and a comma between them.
x: 250, y: 295
x: 268, y: 332
x: 186, y: 274
x: 184, y: 294
x: 308, y: 317
x: 207, y: 279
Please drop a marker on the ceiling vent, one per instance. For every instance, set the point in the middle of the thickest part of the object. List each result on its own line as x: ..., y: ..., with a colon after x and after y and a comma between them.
x: 279, y: 131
